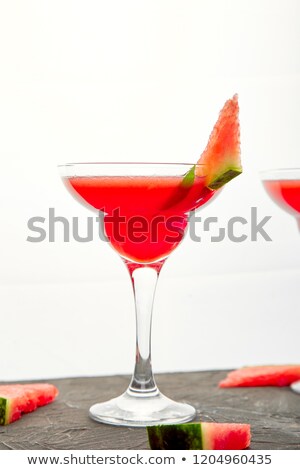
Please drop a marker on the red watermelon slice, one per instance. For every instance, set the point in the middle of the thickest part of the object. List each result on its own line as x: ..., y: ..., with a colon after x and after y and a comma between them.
x: 259, y: 376
x: 199, y: 436
x: 222, y: 156
x: 18, y: 399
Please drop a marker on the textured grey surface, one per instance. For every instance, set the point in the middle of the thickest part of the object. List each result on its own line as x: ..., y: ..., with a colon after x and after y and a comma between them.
x: 274, y: 413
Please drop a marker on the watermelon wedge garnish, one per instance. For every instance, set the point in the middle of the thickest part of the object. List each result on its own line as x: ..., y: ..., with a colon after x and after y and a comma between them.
x: 220, y: 161
x: 222, y: 156
x: 259, y: 376
x: 199, y: 436
x: 23, y: 398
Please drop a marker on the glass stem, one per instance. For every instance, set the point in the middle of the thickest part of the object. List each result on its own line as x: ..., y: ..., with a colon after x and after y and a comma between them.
x: 144, y: 280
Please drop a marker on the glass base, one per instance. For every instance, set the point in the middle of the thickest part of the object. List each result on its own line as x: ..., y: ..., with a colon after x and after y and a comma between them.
x: 141, y: 409
x: 296, y: 386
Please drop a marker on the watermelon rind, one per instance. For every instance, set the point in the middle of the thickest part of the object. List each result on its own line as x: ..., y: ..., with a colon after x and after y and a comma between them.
x: 224, y: 178
x: 175, y: 436
x: 3, y: 411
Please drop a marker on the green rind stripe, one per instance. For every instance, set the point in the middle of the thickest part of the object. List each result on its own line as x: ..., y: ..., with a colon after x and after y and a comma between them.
x: 186, y: 436
x: 3, y: 411
x: 224, y: 178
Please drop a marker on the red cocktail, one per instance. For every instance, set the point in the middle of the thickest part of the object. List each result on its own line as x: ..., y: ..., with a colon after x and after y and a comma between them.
x: 145, y: 217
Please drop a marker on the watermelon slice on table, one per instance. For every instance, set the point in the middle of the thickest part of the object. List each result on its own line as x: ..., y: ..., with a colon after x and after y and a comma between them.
x: 259, y: 376
x: 222, y: 156
x: 17, y: 399
x: 199, y: 436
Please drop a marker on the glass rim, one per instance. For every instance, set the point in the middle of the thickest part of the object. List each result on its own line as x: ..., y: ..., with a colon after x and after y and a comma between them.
x: 131, y: 163
x: 273, y: 172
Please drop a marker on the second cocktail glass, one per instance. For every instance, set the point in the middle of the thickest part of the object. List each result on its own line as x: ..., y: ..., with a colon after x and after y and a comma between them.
x: 283, y: 185
x: 144, y: 211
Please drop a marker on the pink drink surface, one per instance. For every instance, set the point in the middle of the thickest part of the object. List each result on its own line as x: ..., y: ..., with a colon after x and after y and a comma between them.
x: 145, y: 217
x: 286, y: 193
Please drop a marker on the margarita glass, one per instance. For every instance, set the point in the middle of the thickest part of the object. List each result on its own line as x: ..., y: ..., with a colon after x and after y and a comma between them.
x: 283, y: 185
x: 144, y: 210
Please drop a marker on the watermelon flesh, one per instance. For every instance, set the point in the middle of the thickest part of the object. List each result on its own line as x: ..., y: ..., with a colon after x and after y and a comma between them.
x: 23, y: 398
x: 199, y: 436
x: 222, y: 156
x: 259, y: 376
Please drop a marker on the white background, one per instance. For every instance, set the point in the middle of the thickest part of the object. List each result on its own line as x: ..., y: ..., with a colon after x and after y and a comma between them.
x: 144, y: 81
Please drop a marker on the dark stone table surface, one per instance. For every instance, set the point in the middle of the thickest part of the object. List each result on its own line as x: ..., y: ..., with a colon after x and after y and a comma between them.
x: 274, y: 413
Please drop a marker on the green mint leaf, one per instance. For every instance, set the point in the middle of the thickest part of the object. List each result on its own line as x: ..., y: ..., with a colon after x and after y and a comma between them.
x: 189, y: 177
